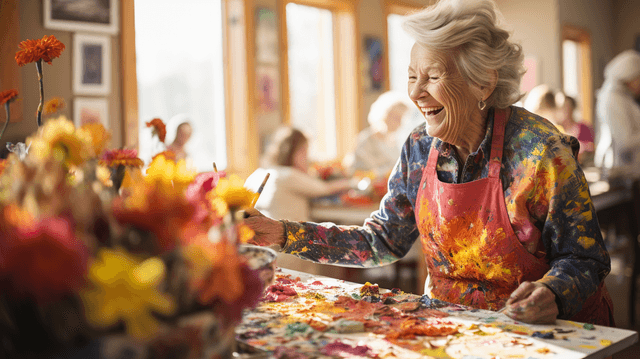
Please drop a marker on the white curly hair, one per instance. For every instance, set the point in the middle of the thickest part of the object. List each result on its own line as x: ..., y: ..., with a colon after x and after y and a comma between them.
x: 472, y: 31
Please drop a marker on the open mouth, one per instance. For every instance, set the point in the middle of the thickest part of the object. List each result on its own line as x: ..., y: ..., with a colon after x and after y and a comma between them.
x: 431, y: 111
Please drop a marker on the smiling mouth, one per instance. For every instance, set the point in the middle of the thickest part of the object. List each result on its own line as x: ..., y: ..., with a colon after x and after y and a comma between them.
x: 431, y: 111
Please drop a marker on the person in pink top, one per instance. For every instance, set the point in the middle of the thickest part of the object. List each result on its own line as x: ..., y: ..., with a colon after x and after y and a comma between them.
x: 584, y: 133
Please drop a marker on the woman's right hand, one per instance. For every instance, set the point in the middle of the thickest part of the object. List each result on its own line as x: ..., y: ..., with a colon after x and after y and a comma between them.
x: 268, y: 231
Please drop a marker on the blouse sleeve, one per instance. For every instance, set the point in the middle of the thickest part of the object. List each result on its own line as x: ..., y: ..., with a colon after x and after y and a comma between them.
x: 574, y: 246
x: 384, y: 238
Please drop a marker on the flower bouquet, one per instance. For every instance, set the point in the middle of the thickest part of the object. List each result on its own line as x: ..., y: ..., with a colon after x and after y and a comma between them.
x: 99, y: 259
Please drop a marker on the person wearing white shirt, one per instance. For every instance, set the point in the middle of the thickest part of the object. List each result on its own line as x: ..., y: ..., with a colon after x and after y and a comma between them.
x: 287, y: 193
x: 618, y: 113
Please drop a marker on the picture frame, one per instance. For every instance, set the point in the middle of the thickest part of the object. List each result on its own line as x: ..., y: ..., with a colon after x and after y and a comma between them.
x: 375, y: 70
x: 91, y: 64
x: 90, y: 109
x: 92, y: 16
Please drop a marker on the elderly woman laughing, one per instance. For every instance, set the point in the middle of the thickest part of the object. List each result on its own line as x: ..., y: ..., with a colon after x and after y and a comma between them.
x: 493, y: 192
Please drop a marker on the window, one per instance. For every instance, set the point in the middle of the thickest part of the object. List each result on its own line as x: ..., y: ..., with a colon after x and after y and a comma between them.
x: 185, y: 83
x: 320, y: 72
x: 311, y: 82
x: 576, y: 70
x: 400, y: 44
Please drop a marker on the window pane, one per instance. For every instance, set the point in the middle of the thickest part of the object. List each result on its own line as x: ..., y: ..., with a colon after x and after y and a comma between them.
x: 572, y: 84
x: 399, y: 52
x: 180, y: 75
x: 311, y: 82
x: 400, y: 44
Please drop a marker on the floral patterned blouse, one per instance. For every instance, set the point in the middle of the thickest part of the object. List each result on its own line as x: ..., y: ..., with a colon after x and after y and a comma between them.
x: 547, y: 200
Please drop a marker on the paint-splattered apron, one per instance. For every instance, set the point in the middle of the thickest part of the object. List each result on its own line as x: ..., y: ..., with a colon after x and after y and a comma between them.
x: 473, y: 256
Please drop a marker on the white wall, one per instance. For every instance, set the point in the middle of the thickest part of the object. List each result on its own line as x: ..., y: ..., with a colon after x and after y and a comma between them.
x: 535, y: 25
x: 596, y: 16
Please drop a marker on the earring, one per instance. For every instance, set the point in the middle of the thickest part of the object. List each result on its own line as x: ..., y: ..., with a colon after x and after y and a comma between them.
x: 482, y: 104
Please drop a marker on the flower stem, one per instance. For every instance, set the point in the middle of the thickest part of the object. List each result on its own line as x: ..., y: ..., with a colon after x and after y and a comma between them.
x: 41, y: 104
x: 6, y: 109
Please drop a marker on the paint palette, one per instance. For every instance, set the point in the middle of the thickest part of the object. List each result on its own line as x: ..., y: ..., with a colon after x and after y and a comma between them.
x: 314, y: 316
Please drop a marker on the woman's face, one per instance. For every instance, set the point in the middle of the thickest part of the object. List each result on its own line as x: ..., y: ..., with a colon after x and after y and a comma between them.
x: 300, y: 157
x: 440, y: 92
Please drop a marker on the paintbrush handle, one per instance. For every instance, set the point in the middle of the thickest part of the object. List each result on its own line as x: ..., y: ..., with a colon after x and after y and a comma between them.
x: 264, y: 182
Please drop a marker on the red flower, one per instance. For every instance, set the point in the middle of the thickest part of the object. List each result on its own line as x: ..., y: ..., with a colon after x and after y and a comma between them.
x: 47, y: 49
x: 125, y: 157
x: 151, y: 209
x: 158, y: 128
x: 8, y: 96
x: 41, y: 260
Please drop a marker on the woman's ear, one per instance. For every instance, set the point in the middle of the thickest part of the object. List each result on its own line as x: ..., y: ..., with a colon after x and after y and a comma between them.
x: 488, y: 90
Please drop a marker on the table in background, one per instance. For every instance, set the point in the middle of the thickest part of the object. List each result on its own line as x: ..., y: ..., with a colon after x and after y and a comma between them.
x: 617, y: 206
x: 280, y: 324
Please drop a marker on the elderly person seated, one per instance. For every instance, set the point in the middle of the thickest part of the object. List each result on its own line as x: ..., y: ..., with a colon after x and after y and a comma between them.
x: 618, y: 114
x: 377, y: 149
x: 493, y: 191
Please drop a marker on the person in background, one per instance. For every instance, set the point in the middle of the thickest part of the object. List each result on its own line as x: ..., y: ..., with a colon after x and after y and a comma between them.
x: 618, y: 114
x: 542, y: 101
x: 290, y: 188
x: 183, y: 134
x: 566, y: 109
x: 494, y: 192
x: 377, y: 147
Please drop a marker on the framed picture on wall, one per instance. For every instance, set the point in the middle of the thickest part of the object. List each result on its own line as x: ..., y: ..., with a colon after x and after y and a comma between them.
x: 87, y: 110
x: 91, y: 64
x: 85, y: 15
x: 375, y: 70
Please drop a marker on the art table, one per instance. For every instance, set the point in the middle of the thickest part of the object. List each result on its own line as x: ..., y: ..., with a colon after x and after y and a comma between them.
x: 306, y: 316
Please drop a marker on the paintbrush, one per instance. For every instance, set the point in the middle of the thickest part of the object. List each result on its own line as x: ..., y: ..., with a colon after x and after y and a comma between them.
x: 255, y: 198
x: 215, y: 169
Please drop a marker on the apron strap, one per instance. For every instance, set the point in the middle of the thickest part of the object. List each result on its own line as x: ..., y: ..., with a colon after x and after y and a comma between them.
x: 497, y: 142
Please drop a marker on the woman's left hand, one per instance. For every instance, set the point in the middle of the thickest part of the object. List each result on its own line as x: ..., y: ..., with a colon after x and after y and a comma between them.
x: 532, y: 302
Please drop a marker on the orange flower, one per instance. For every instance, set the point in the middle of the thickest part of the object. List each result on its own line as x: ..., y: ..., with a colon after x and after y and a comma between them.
x: 125, y: 157
x: 54, y: 105
x: 8, y: 96
x: 47, y: 49
x: 158, y: 128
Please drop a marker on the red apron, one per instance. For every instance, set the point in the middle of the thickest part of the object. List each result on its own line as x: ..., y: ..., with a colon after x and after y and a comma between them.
x: 473, y: 256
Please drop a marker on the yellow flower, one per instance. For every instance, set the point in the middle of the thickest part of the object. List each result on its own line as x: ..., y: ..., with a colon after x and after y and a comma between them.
x: 245, y: 233
x: 59, y: 139
x: 131, y: 177
x: 169, y: 173
x: 99, y: 136
x: 126, y: 289
x: 232, y: 191
x: 103, y: 174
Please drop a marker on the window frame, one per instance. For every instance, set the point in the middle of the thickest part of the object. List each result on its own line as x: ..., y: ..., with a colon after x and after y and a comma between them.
x: 347, y: 82
x: 583, y: 38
